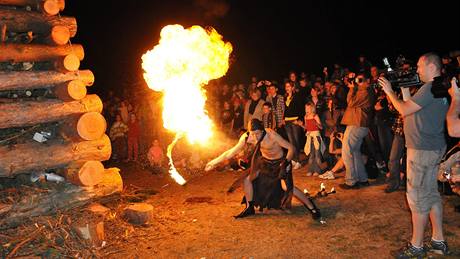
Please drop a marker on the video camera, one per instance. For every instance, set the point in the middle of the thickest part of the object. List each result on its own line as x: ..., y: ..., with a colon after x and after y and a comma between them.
x: 400, y: 77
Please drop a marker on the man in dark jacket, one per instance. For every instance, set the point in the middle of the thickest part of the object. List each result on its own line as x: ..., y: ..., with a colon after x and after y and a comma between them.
x: 357, y: 117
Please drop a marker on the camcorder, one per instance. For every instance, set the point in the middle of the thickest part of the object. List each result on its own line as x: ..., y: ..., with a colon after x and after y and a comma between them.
x: 400, y: 77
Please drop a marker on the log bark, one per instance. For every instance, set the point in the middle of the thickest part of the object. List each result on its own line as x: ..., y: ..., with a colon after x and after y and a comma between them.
x: 23, y: 21
x: 84, y: 173
x: 48, y: 7
x: 3, y: 33
x: 139, y: 213
x: 34, y: 112
x: 19, y: 80
x: 67, y: 197
x: 34, y: 52
x: 34, y: 156
x: 70, y: 91
x: 88, y: 126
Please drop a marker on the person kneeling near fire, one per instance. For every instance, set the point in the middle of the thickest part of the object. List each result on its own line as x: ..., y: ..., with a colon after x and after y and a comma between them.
x: 269, y: 183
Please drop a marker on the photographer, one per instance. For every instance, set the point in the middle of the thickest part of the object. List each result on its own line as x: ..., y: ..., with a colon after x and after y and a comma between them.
x: 357, y: 118
x: 453, y: 120
x: 424, y: 131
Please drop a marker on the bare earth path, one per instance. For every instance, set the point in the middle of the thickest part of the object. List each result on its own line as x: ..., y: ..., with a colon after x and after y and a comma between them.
x: 195, y: 221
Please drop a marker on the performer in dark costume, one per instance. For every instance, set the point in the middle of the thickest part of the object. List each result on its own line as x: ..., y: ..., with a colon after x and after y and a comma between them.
x: 269, y: 182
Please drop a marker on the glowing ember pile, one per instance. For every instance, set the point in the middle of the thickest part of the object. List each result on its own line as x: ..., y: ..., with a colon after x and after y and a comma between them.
x: 183, y: 62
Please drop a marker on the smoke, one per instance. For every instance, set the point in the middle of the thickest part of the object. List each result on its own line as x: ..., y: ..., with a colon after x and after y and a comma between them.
x: 213, y: 8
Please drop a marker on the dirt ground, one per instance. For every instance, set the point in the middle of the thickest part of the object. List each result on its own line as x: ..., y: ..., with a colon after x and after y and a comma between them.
x: 195, y: 221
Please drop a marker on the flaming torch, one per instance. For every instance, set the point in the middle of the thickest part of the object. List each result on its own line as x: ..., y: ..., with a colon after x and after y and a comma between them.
x: 179, y: 66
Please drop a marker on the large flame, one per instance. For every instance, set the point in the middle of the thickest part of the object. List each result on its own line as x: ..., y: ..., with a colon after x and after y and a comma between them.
x: 183, y: 62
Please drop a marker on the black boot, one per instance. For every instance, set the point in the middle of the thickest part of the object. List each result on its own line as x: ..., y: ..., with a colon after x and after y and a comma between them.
x: 315, y: 213
x: 249, y: 210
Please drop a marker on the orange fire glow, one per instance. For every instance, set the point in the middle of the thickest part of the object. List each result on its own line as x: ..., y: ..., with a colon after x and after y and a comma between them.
x: 179, y: 66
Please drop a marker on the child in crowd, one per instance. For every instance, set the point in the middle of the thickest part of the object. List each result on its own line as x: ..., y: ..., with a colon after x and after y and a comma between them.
x: 268, y: 118
x: 155, y: 155
x: 118, y: 137
x: 227, y: 118
x: 133, y: 138
x: 314, y: 146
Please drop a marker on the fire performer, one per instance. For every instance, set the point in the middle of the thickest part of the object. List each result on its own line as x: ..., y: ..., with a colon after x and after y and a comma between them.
x: 269, y: 183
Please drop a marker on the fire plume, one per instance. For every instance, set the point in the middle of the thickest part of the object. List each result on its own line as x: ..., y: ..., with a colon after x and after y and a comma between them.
x: 179, y: 66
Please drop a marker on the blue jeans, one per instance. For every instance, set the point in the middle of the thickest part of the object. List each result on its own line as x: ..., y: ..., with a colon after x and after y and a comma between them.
x: 351, y: 154
x: 294, y: 133
x: 394, y: 162
x: 385, y: 140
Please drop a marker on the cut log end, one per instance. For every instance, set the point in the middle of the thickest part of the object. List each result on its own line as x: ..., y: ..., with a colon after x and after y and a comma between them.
x: 139, y: 214
x: 88, y: 173
x: 92, y: 103
x: 50, y: 7
x: 91, y: 126
x: 77, y: 90
x: 61, y: 4
x: 72, y: 90
x: 59, y: 35
x: 68, y: 63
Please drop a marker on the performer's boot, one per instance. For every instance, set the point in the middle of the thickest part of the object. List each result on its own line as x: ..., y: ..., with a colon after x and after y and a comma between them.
x: 249, y: 210
x: 315, y: 213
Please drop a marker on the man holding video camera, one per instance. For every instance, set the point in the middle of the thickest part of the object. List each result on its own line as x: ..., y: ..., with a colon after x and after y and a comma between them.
x: 424, y: 130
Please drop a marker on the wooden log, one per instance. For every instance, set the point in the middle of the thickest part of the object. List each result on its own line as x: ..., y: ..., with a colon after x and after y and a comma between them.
x: 88, y: 126
x: 59, y: 35
x: 91, y: 230
x: 71, y: 90
x: 61, y: 4
x: 35, y: 156
x: 3, y: 33
x: 68, y: 63
x: 84, y: 173
x: 23, y: 114
x: 19, y: 80
x: 23, y: 21
x: 68, y: 196
x: 48, y: 7
x: 97, y: 208
x: 139, y: 213
x: 34, y: 52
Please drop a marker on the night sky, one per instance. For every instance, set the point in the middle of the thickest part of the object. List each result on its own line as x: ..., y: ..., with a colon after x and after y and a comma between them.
x: 269, y: 38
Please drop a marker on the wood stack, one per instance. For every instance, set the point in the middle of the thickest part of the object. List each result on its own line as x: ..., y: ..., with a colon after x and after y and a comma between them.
x: 36, y: 54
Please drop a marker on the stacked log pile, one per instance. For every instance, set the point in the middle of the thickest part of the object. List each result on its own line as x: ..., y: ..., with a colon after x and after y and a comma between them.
x: 43, y: 88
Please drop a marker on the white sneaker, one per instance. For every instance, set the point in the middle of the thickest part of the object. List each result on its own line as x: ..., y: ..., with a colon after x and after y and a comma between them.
x: 296, y: 165
x: 329, y: 175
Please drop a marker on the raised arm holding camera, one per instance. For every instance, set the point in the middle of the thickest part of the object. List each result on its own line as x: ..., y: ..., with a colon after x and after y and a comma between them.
x: 424, y: 131
x: 453, y: 120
